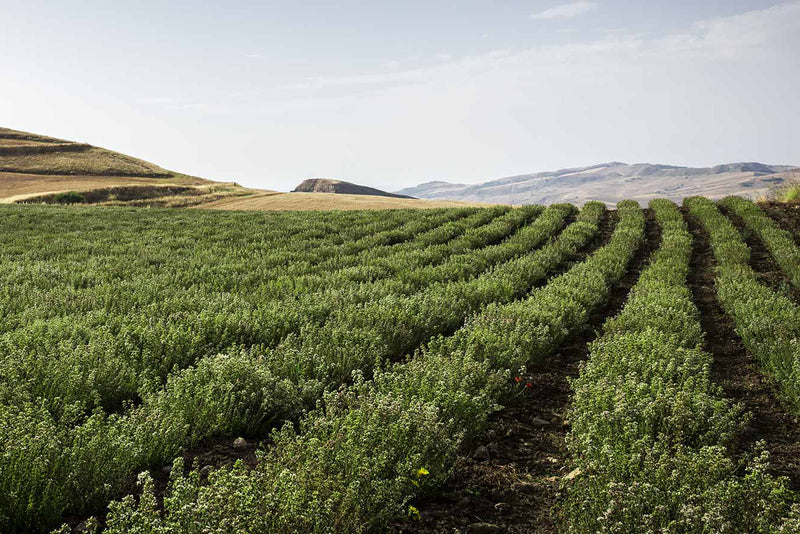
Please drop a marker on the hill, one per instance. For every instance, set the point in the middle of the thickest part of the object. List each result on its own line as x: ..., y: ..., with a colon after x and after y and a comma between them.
x: 611, y: 182
x: 40, y: 169
x: 27, y: 153
x: 323, y: 185
x: 37, y: 168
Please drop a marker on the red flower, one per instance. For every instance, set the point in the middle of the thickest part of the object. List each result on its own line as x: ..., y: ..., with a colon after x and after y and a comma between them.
x: 517, y: 379
x: 528, y: 385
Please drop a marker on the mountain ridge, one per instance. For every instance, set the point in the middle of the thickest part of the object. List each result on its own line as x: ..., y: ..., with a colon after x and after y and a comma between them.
x: 613, y: 181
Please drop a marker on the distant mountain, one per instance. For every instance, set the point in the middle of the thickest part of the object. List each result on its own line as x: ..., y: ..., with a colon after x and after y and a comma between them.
x: 612, y: 182
x: 323, y: 185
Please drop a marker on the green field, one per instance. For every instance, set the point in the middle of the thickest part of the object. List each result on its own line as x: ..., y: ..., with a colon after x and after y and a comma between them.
x: 362, y: 356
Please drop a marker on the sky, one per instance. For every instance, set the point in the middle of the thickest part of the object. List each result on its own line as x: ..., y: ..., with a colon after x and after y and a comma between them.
x: 391, y: 94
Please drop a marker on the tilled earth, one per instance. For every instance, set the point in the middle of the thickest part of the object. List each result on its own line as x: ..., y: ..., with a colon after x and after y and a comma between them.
x: 511, y: 479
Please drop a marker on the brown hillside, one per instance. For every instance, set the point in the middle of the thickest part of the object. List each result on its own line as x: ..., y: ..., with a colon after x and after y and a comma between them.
x: 324, y: 185
x: 23, y: 152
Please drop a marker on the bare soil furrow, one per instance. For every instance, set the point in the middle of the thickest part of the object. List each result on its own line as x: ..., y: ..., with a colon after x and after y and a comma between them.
x: 738, y: 372
x: 517, y: 488
x: 787, y: 215
x: 761, y: 260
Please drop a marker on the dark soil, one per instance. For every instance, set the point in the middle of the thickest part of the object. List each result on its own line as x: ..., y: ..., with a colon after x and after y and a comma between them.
x: 738, y: 373
x: 787, y: 215
x: 761, y: 261
x: 517, y: 489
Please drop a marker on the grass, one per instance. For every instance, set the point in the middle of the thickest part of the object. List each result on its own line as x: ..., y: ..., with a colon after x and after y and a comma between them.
x: 790, y: 194
x: 22, y: 152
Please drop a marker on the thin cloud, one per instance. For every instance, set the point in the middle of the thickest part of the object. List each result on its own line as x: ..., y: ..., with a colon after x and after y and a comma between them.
x: 565, y: 11
x: 157, y: 100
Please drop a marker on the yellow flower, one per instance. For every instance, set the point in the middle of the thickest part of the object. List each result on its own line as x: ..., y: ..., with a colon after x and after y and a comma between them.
x: 413, y: 512
x: 422, y: 472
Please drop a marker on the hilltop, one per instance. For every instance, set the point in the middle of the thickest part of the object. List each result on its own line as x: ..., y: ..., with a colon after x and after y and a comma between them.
x: 27, y: 153
x: 613, y: 181
x: 38, y: 168
x: 324, y: 185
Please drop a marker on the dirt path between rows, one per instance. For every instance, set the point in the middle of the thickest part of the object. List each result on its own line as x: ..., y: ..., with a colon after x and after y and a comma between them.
x: 761, y: 260
x: 738, y: 372
x: 517, y: 489
x: 787, y: 215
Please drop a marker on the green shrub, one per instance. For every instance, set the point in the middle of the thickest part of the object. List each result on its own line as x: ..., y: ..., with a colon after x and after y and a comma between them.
x: 768, y: 322
x: 357, y: 460
x: 780, y: 243
x: 649, y: 429
x: 69, y: 197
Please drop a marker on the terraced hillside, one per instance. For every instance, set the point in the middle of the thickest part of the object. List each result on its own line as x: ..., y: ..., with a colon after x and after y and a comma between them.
x: 36, y: 168
x: 27, y: 153
x: 471, y: 369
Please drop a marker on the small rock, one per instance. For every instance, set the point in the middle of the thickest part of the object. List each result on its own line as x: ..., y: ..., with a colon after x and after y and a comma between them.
x: 538, y: 421
x: 206, y: 470
x: 464, y: 502
x: 491, y: 434
x: 483, y: 528
x: 167, y: 469
x: 573, y: 474
x: 240, y: 443
x: 493, y: 450
x: 82, y: 527
x: 482, y: 454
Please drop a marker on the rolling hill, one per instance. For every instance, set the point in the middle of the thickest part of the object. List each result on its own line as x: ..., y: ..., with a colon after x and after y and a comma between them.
x: 323, y: 185
x: 611, y: 182
x: 27, y: 153
x: 40, y: 169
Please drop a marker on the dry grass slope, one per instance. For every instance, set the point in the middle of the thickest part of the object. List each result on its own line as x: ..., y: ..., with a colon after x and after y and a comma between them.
x: 36, y: 168
x: 22, y: 152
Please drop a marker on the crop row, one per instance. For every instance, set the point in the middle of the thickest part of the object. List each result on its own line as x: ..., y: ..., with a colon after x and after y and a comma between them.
x: 112, y: 264
x: 649, y: 429
x: 70, y: 462
x: 368, y: 449
x: 779, y: 242
x: 104, y: 359
x: 768, y: 322
x: 414, y: 265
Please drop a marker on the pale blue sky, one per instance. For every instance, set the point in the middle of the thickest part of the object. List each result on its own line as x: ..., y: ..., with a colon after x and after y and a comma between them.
x: 392, y: 94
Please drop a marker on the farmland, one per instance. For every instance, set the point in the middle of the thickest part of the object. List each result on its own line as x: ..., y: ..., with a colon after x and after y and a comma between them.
x: 517, y: 369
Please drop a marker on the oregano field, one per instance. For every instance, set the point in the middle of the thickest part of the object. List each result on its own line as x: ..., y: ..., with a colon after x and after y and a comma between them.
x: 528, y: 369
